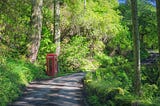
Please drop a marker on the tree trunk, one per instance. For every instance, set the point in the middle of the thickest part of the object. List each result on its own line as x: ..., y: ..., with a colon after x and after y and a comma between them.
x: 84, y: 4
x: 158, y: 28
x: 57, y: 25
x: 136, y: 40
x: 127, y: 2
x: 36, y: 21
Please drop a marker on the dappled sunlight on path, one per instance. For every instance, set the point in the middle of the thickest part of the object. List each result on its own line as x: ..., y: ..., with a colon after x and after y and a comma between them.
x: 61, y: 91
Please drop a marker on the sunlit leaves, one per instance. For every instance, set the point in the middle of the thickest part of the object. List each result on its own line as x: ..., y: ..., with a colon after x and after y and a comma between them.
x: 73, y: 53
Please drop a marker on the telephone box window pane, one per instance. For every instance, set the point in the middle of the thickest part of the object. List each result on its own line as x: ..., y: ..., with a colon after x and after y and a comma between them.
x: 50, y: 65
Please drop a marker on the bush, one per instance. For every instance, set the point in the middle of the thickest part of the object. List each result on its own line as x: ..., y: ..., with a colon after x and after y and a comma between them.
x: 108, y: 81
x: 102, y: 93
x: 14, y: 75
x: 47, y: 45
x: 73, y: 54
x: 111, y: 84
x: 150, y: 74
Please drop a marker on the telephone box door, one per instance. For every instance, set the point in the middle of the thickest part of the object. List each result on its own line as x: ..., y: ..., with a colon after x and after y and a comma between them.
x: 51, y: 64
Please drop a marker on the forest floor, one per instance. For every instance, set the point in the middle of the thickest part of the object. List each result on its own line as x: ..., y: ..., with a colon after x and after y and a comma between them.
x: 61, y: 91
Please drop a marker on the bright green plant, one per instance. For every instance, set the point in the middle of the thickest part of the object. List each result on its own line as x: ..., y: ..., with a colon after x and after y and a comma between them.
x: 149, y: 91
x: 15, y: 19
x: 14, y: 75
x: 109, y: 81
x: 123, y: 40
x: 94, y: 100
x: 46, y: 46
x: 147, y: 22
x: 73, y: 53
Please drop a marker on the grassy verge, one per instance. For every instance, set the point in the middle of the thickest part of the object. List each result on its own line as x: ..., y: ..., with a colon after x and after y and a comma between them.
x: 14, y: 76
x: 99, y: 94
x: 112, y: 85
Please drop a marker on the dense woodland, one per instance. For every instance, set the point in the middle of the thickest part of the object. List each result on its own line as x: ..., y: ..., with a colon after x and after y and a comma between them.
x: 110, y: 40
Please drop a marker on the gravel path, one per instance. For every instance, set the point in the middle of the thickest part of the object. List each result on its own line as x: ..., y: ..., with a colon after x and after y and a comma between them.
x: 61, y: 91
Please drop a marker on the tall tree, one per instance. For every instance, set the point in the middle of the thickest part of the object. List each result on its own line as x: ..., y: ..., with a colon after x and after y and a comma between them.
x: 127, y: 2
x: 57, y: 25
x: 136, y: 41
x: 84, y: 4
x: 158, y: 28
x: 36, y: 21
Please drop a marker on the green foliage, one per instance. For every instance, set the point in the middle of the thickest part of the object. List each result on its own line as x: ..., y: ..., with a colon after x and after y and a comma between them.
x: 147, y: 25
x: 14, y: 75
x: 147, y: 22
x: 100, y: 19
x: 73, y: 54
x: 150, y: 74
x: 111, y: 85
x: 149, y: 91
x: 15, y: 25
x: 46, y: 46
x: 102, y: 93
x: 3, y: 53
x: 47, y: 38
x: 112, y: 79
x: 101, y: 28
x: 103, y: 60
x: 123, y: 40
x: 94, y: 100
x: 115, y: 68
x: 144, y: 53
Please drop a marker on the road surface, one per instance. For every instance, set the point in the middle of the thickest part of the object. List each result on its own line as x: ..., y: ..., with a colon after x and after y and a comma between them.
x: 61, y: 91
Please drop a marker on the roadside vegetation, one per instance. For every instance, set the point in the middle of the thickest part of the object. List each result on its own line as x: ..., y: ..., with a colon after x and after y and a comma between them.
x: 14, y: 76
x: 96, y: 37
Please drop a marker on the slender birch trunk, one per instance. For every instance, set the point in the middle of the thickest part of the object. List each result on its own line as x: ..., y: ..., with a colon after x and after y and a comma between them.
x: 57, y: 26
x: 84, y: 4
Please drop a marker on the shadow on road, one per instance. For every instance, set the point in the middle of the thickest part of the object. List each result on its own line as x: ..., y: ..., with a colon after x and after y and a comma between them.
x: 62, y: 91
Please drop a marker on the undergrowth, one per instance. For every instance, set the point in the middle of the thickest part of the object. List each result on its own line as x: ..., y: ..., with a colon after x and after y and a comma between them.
x: 111, y: 84
x: 14, y: 76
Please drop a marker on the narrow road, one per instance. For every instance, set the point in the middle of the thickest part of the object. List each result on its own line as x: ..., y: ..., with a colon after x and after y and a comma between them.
x: 61, y: 91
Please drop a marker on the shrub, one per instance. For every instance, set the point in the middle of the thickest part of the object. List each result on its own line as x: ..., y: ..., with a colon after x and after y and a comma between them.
x: 14, y: 75
x: 111, y: 79
x: 73, y: 54
x: 111, y: 84
x: 47, y: 45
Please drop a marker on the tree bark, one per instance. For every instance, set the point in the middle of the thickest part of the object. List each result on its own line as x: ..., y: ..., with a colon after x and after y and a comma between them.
x: 136, y: 41
x: 158, y: 30
x: 57, y: 25
x: 36, y: 23
x: 84, y: 4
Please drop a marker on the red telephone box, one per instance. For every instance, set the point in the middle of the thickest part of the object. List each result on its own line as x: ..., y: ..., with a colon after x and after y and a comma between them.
x: 52, y: 67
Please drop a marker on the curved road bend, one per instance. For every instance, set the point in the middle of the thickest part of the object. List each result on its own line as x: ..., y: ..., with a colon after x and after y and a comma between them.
x: 61, y: 91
